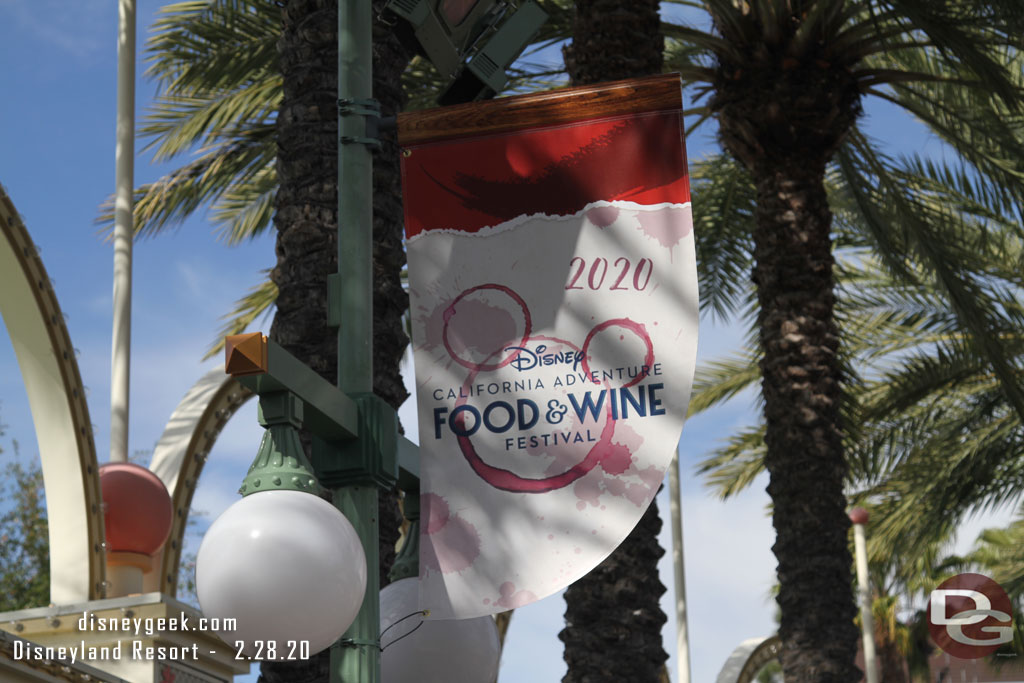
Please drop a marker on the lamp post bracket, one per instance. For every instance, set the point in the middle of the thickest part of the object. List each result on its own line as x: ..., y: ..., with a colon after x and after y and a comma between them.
x: 263, y: 366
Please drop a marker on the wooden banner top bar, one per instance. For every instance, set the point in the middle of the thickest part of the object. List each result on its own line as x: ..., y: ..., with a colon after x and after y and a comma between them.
x: 567, y: 105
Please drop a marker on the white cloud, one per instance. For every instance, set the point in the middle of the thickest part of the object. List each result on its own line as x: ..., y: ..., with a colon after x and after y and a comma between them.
x: 100, y: 305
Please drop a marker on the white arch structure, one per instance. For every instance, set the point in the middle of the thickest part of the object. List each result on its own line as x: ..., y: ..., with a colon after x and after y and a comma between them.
x: 59, y: 412
x: 182, y: 451
x: 748, y: 658
x: 60, y: 415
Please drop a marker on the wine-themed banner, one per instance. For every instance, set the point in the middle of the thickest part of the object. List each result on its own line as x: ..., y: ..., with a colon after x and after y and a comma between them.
x: 553, y: 292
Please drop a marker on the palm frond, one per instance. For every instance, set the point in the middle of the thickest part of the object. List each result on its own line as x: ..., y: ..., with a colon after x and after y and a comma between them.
x: 733, y: 467
x: 985, y: 134
x: 213, y: 44
x: 178, y: 123
x: 912, y: 226
x: 999, y: 552
x: 215, y: 63
x: 723, y: 202
x: 247, y: 209
x: 964, y: 35
x: 171, y: 199
x: 719, y: 380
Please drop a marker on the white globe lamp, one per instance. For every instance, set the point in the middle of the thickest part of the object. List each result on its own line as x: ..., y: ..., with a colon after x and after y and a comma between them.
x: 288, y: 566
x: 439, y: 651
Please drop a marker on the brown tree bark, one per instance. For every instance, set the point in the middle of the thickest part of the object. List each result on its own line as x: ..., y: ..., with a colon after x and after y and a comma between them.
x: 893, y: 663
x: 800, y: 385
x: 613, y: 618
x: 612, y: 40
x: 783, y: 115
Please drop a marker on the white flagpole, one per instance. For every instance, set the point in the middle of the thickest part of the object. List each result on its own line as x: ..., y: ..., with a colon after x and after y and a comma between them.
x: 859, y: 517
x: 123, y: 227
x: 676, y: 512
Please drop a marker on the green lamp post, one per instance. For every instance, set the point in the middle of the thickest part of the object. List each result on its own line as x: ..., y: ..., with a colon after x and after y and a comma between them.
x: 356, y: 450
x: 356, y: 447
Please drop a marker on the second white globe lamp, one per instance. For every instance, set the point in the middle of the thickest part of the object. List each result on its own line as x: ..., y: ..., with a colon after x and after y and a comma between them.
x: 439, y: 651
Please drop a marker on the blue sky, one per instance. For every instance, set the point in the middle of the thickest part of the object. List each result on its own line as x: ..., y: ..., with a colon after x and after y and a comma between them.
x: 57, y: 162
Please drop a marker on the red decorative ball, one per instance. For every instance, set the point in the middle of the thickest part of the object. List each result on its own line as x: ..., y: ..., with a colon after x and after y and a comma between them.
x: 138, y: 508
x: 859, y: 516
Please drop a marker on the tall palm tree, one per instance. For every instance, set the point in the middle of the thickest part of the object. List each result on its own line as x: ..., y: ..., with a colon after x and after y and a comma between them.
x: 786, y: 79
x: 613, y: 619
x: 931, y: 430
x: 931, y: 435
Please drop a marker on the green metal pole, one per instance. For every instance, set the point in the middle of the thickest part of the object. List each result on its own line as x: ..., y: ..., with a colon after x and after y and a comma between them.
x: 356, y: 658
x: 355, y: 198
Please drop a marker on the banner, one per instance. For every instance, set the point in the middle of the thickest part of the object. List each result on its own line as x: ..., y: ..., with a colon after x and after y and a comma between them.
x: 553, y: 292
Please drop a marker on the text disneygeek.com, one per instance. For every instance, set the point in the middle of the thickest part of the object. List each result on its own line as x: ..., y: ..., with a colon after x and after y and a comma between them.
x: 133, y: 649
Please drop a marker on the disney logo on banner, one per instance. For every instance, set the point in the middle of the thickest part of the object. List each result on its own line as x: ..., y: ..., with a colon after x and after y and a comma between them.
x: 525, y: 359
x: 974, y: 601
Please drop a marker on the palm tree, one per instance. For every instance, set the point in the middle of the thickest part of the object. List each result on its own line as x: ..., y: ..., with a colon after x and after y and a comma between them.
x: 901, y: 635
x: 931, y: 431
x: 786, y: 81
x: 613, y: 620
x: 1001, y: 553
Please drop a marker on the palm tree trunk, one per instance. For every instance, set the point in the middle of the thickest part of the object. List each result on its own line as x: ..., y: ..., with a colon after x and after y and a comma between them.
x: 614, y: 39
x: 613, y: 618
x: 390, y: 301
x: 783, y: 110
x: 801, y: 389
x: 307, y: 167
x: 894, y: 663
x: 306, y: 220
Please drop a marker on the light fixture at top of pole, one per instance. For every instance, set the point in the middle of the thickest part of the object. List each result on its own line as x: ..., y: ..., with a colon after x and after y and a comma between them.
x: 283, y: 562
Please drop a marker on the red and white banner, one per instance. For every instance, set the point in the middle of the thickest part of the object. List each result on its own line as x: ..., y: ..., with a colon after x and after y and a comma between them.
x: 553, y: 291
